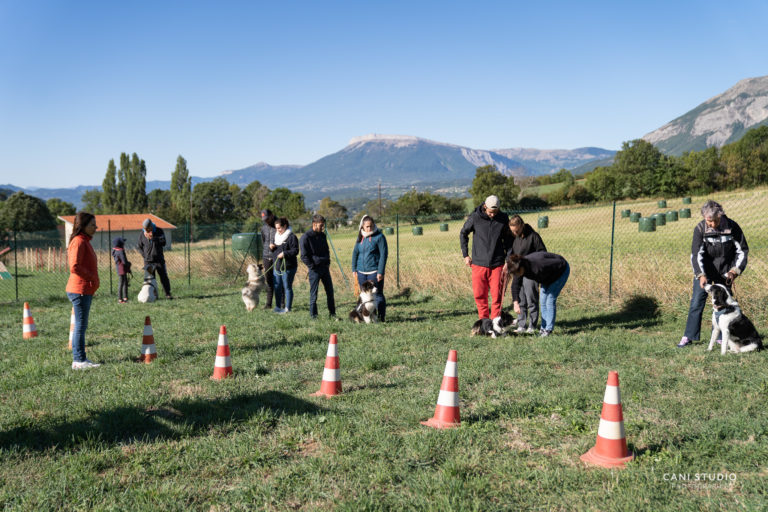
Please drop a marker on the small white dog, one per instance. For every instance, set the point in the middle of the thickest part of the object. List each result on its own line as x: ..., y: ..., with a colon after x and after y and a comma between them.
x: 738, y: 331
x: 256, y: 283
x: 148, y: 292
x: 365, y: 311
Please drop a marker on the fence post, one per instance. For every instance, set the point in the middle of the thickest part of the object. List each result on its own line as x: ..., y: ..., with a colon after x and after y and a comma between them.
x: 610, y: 271
x: 16, y: 262
x: 397, y: 233
x: 109, y: 230
x: 189, y: 253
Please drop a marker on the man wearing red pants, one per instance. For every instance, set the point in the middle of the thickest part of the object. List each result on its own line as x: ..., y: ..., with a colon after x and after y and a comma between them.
x: 490, y: 241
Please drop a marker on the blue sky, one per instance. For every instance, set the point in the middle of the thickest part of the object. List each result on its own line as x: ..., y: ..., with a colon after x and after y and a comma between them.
x: 230, y: 84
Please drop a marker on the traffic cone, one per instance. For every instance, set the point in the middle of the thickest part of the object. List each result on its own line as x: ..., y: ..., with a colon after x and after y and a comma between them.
x: 71, y: 327
x: 447, y: 409
x: 148, y: 352
x: 610, y: 450
x: 222, y: 368
x: 30, y: 330
x: 331, y: 383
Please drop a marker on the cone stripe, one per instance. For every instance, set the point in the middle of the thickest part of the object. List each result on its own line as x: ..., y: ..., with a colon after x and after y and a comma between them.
x: 148, y: 349
x: 612, y: 413
x: 332, y: 363
x: 331, y: 374
x: 333, y: 350
x: 603, y: 446
x: 148, y: 330
x: 610, y: 429
x: 448, y: 398
x: 450, y: 384
x: 222, y: 351
x: 450, y: 369
x: 29, y: 328
x: 223, y: 361
x: 612, y: 395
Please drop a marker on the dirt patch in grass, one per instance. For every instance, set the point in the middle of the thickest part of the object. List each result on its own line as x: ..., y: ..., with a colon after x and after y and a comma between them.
x: 183, y: 389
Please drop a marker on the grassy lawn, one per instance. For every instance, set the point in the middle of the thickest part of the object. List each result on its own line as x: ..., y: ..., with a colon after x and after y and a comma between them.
x: 129, y: 436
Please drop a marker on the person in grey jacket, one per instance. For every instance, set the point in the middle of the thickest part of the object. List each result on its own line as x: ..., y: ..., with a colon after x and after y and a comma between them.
x: 718, y: 256
x: 268, y: 245
x: 526, y: 305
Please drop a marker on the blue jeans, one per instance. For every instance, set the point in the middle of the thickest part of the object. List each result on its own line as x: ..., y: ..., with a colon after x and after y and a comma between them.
x: 82, y: 305
x: 548, y: 299
x: 381, y: 302
x: 315, y: 277
x: 284, y: 285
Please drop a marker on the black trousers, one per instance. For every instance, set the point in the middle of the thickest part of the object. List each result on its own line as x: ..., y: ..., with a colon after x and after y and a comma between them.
x: 122, y: 287
x: 270, y: 277
x: 160, y: 268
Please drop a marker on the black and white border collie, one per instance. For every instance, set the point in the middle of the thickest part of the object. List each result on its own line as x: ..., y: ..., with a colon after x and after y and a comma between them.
x: 738, y: 332
x: 493, y: 328
x: 365, y: 310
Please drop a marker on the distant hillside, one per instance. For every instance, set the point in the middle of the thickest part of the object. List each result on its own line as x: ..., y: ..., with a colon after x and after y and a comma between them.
x: 716, y: 122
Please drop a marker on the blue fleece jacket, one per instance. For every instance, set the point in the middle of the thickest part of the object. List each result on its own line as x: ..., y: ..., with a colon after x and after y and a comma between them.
x: 370, y: 254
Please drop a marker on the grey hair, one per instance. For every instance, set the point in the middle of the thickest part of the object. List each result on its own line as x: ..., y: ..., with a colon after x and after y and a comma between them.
x: 712, y: 209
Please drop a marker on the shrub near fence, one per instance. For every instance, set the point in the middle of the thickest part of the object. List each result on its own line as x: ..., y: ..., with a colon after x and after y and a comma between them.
x: 610, y: 258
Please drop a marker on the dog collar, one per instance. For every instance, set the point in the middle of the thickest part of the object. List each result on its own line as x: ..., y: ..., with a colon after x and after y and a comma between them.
x: 726, y: 310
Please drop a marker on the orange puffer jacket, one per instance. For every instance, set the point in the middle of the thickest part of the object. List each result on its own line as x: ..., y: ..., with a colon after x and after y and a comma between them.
x: 84, y: 272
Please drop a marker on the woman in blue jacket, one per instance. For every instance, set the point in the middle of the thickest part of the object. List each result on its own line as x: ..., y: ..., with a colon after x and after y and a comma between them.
x: 369, y: 260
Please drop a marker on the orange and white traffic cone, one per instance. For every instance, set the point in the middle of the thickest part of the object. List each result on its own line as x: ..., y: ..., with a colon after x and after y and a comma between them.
x: 71, y: 327
x: 222, y: 368
x: 30, y: 329
x: 331, y: 383
x: 148, y: 351
x: 610, y: 450
x: 447, y: 409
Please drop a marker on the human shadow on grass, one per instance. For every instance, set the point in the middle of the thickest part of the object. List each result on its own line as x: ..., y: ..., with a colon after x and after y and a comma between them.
x: 437, y: 315
x: 636, y: 312
x: 176, y: 420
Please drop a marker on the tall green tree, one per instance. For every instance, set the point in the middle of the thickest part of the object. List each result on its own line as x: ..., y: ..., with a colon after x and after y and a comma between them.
x: 636, y: 166
x: 136, y: 186
x: 159, y: 203
x: 58, y: 207
x: 257, y: 193
x: 286, y: 203
x: 181, y: 190
x: 489, y: 181
x: 123, y: 177
x: 109, y: 189
x: 335, y: 213
x: 91, y: 200
x: 23, y: 212
x: 212, y: 202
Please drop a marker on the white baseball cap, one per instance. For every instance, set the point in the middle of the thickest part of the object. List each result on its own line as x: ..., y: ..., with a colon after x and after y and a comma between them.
x: 492, y: 203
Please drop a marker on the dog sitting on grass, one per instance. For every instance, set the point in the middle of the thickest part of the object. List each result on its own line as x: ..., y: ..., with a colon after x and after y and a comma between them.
x: 365, y: 310
x: 256, y: 283
x: 738, y: 332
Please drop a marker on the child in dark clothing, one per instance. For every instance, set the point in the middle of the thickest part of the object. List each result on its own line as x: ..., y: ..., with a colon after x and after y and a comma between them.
x: 123, y: 267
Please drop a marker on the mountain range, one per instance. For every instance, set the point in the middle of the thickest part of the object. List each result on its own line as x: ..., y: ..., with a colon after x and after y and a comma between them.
x: 401, y: 162
x: 716, y: 122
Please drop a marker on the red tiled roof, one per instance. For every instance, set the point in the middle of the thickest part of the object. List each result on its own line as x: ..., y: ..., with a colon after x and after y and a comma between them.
x: 125, y: 221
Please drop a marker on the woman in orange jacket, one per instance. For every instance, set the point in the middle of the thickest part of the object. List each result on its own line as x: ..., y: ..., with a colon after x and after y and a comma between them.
x: 82, y: 284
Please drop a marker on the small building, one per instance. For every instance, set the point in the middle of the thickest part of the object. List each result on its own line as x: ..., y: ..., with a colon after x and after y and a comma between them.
x: 127, y: 225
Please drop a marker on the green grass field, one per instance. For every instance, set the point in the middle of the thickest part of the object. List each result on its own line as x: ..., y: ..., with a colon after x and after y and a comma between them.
x: 129, y: 436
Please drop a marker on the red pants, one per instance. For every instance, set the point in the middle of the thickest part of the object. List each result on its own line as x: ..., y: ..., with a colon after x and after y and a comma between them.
x: 483, y: 280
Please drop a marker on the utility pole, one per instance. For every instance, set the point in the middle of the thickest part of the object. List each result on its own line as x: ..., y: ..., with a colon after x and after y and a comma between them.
x: 380, y: 209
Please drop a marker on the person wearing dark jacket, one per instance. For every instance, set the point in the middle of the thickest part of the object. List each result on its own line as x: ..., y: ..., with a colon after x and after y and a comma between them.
x: 122, y: 267
x: 490, y: 241
x: 316, y: 255
x: 151, y: 243
x: 718, y: 256
x: 525, y: 242
x: 369, y: 260
x: 268, y: 244
x: 551, y: 271
x: 286, y: 249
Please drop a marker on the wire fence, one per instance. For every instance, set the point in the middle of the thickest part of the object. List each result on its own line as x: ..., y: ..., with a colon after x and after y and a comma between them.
x: 616, y: 251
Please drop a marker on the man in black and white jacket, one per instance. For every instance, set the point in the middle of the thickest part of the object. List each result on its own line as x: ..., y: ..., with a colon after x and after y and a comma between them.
x: 151, y: 243
x: 718, y: 255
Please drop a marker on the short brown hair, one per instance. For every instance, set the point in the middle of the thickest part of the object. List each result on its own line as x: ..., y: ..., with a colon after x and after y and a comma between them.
x: 516, y: 220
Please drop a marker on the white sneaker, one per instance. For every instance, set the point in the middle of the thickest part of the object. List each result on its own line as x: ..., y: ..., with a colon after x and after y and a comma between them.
x: 530, y: 330
x: 520, y: 329
x: 84, y: 365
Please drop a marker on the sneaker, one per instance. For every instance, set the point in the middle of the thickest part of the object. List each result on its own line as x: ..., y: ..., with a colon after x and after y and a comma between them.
x: 520, y: 329
x: 544, y: 333
x: 720, y: 342
x: 277, y: 310
x: 530, y: 330
x: 84, y: 365
x: 283, y: 311
x: 169, y: 297
x: 684, y: 342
